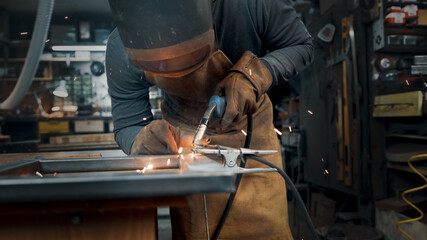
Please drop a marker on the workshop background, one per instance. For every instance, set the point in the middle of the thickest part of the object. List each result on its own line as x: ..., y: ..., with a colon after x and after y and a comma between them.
x: 348, y: 124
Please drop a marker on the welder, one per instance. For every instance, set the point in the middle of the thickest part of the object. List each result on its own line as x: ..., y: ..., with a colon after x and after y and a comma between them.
x: 193, y: 49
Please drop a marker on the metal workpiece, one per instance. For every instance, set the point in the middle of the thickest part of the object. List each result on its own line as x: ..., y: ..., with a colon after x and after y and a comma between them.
x: 119, y: 177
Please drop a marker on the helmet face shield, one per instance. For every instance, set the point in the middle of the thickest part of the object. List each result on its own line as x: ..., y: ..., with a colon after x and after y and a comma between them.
x: 165, y: 37
x: 176, y: 60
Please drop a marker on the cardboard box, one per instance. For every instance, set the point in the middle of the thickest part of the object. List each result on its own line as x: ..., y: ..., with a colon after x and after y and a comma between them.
x: 322, y: 210
x: 422, y: 17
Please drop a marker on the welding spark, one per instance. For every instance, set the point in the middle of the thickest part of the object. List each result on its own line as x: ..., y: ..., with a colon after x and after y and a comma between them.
x: 24, y: 33
x: 407, y: 83
x: 326, y: 172
x: 168, y: 162
x: 143, y: 170
x: 180, y: 150
x: 278, y: 132
x: 39, y: 174
x: 244, y: 133
x: 48, y: 40
x: 143, y: 119
x: 138, y: 170
x: 150, y: 166
x: 290, y: 129
x: 66, y: 17
x: 310, y: 112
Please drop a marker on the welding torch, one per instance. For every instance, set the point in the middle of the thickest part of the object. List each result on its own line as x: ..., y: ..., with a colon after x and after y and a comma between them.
x: 217, y: 108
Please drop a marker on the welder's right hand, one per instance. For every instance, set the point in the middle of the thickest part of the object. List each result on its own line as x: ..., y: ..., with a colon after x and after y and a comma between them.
x: 158, y: 137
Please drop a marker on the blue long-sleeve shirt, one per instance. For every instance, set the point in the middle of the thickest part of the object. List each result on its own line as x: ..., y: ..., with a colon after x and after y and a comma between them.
x: 268, y: 28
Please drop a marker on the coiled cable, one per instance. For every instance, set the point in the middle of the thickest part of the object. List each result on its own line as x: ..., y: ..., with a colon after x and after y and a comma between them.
x: 412, y: 190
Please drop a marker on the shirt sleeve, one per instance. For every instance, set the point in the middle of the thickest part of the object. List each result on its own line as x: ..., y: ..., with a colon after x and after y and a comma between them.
x: 284, y: 35
x: 129, y: 93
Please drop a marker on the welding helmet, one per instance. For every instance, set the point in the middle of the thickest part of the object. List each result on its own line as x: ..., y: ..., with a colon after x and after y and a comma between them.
x: 164, y: 37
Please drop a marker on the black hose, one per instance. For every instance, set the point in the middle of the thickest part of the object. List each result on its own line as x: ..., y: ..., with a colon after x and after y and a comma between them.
x: 238, y: 179
x: 292, y: 187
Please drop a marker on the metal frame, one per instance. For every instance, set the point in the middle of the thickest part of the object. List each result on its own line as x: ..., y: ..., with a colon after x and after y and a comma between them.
x: 119, y: 177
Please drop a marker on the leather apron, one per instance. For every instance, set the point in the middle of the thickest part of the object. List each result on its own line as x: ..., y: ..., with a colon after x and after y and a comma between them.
x: 260, y: 209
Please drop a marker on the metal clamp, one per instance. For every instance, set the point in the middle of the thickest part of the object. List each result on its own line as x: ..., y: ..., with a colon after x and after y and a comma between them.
x: 231, y: 155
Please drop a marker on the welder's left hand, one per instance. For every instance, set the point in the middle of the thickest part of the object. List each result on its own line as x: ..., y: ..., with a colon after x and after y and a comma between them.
x: 243, y: 87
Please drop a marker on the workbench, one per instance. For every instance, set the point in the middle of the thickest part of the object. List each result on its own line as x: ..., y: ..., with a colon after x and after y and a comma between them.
x: 98, y: 194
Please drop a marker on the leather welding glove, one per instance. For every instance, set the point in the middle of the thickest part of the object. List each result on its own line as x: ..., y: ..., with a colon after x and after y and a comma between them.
x: 158, y: 137
x: 243, y: 86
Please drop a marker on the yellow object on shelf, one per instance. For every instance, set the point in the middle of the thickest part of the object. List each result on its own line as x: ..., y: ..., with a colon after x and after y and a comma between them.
x: 407, y: 104
x: 54, y: 127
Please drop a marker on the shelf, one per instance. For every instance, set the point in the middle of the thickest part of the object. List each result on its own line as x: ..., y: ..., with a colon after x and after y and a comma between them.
x: 407, y: 136
x: 406, y: 168
x: 403, y: 49
x: 405, y: 29
x: 64, y: 59
x: 402, y: 4
x: 61, y: 59
x: 35, y: 79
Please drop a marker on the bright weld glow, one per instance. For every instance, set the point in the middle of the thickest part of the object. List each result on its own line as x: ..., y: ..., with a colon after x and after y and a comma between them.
x: 180, y: 150
x: 310, y: 112
x: 138, y: 170
x: 168, y: 162
x: 326, y: 172
x: 39, y: 174
x: 244, y: 133
x: 250, y: 71
x: 150, y: 166
x: 290, y: 129
x: 66, y: 17
x: 143, y: 119
x: 407, y: 83
x: 143, y: 170
x: 278, y: 132
x: 24, y: 33
x: 182, y: 155
x: 48, y: 40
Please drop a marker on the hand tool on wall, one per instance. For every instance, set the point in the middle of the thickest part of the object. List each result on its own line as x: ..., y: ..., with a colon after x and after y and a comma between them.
x: 347, y: 104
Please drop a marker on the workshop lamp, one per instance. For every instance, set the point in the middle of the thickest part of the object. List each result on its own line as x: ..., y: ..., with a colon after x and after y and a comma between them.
x: 60, y: 91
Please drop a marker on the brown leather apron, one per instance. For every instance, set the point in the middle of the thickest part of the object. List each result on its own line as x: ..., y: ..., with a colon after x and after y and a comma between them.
x: 260, y: 208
